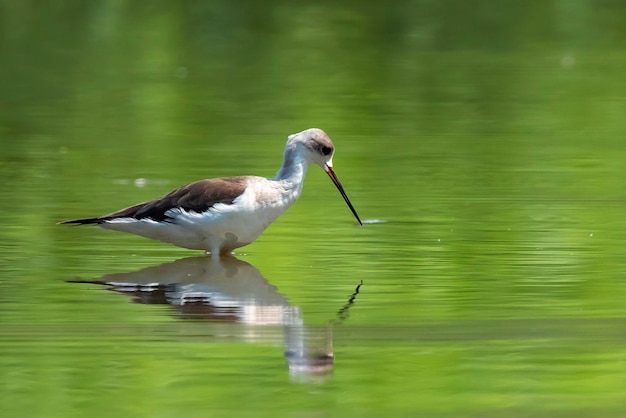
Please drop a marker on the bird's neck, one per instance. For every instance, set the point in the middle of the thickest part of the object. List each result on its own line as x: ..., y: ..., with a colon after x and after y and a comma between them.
x: 293, y: 170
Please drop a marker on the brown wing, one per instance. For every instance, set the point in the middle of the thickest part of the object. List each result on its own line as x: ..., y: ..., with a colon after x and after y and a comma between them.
x: 197, y: 197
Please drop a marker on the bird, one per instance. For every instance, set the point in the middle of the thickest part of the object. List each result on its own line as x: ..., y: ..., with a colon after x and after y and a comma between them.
x: 221, y: 214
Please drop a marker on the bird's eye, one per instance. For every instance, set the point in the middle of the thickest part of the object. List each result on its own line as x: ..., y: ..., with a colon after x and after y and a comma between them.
x: 325, y: 150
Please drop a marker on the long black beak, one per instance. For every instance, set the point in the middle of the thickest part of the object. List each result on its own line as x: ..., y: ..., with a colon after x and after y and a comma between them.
x: 333, y: 177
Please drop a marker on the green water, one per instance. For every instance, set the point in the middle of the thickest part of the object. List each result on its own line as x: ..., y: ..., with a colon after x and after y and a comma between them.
x: 483, y: 142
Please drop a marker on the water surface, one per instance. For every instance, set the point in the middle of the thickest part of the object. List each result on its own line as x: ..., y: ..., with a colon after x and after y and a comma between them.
x: 483, y: 145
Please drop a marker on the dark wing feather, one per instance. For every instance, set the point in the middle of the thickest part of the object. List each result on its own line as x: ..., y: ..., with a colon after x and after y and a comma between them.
x: 196, y: 197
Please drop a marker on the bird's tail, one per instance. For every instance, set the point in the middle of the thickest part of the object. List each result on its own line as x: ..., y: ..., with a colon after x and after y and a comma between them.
x: 85, y: 221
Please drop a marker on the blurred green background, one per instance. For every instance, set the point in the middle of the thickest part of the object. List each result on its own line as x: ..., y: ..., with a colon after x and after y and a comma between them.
x: 483, y: 141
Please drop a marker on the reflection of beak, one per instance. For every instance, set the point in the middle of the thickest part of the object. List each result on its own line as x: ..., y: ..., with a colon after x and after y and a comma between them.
x: 333, y: 177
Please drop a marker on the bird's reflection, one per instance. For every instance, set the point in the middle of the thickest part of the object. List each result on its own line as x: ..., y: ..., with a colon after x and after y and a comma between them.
x: 227, y: 289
